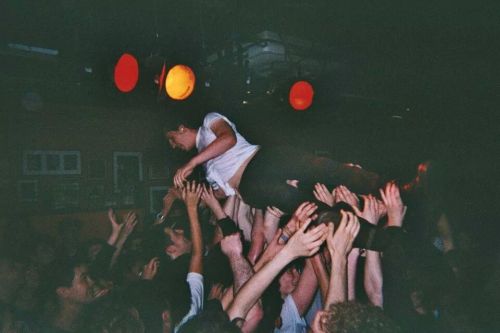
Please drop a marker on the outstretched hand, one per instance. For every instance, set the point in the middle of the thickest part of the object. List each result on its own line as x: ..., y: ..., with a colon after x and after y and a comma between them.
x: 305, y: 211
x: 130, y: 223
x: 182, y: 173
x: 396, y: 210
x: 340, y: 243
x: 208, y: 197
x: 322, y: 194
x: 305, y: 244
x: 231, y: 245
x: 151, y: 269
x: 373, y: 209
x: 343, y: 194
x: 191, y: 194
x: 115, y: 226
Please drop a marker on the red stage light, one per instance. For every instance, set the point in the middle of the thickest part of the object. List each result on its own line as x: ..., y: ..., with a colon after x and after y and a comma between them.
x: 126, y: 73
x: 301, y: 95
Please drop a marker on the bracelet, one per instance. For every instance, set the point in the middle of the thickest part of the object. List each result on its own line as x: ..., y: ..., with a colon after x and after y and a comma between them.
x: 284, y: 237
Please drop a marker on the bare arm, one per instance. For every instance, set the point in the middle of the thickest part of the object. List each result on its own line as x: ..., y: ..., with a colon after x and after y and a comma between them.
x: 352, y: 264
x: 301, y: 244
x: 242, y: 271
x: 191, y: 196
x: 373, y: 210
x: 339, y: 245
x: 373, y: 278
x: 226, y: 139
x: 321, y: 275
x: 304, y: 293
x: 258, y: 237
x: 129, y: 225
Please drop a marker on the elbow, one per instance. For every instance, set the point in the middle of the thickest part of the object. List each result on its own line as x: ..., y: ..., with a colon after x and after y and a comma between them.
x: 231, y: 140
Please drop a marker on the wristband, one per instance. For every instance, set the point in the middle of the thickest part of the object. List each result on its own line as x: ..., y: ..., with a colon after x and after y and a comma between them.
x: 284, y: 237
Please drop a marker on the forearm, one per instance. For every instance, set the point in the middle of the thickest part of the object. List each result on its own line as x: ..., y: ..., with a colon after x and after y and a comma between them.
x: 113, y: 238
x: 253, y: 289
x: 258, y: 238
x: 195, y: 265
x: 321, y: 275
x: 218, y: 147
x: 337, y: 290
x: 167, y: 206
x: 306, y: 289
x: 242, y: 271
x: 271, y: 223
x: 352, y: 264
x: 373, y: 280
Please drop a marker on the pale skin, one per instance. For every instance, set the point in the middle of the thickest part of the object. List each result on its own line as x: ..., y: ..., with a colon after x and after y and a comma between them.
x: 302, y: 244
x: 185, y: 139
x: 191, y: 194
x: 373, y: 210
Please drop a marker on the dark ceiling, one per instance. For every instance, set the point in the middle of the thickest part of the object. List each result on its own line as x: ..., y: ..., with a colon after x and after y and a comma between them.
x: 438, y: 57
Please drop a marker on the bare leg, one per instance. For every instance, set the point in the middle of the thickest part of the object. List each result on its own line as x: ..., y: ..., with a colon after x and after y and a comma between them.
x: 258, y: 237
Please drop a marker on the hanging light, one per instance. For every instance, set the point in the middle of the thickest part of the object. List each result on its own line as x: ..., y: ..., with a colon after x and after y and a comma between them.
x: 301, y: 95
x: 180, y: 82
x: 126, y: 73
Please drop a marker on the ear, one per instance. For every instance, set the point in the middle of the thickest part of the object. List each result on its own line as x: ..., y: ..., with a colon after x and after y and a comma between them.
x: 182, y: 128
x: 317, y: 326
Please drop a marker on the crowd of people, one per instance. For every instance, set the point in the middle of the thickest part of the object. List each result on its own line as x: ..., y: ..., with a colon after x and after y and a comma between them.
x: 319, y: 247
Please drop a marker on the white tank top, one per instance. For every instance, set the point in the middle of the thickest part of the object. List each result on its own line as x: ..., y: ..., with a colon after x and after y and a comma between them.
x: 222, y: 168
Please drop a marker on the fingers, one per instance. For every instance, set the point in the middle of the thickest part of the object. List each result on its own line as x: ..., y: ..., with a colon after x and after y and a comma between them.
x: 305, y: 225
x: 277, y: 235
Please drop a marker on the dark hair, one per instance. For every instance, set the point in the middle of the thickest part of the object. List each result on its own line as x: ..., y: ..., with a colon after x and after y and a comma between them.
x: 353, y: 317
x: 212, y: 320
x: 113, y: 316
x: 181, y: 117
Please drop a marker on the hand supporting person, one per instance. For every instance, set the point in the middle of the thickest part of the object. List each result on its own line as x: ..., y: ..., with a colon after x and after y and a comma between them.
x: 396, y: 210
x: 373, y: 210
x: 302, y: 244
x: 339, y: 245
x: 191, y: 194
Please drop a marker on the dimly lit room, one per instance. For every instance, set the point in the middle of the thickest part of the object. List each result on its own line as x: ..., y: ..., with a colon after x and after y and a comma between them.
x: 249, y: 166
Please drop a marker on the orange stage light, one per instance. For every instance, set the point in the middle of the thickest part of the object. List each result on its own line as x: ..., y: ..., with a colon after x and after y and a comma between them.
x: 180, y: 82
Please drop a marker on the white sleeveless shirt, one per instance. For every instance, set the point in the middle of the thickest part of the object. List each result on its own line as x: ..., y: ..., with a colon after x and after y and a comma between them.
x: 221, y: 169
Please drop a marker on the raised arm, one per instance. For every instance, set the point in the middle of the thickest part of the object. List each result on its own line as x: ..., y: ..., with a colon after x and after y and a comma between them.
x: 339, y: 245
x: 300, y: 245
x: 126, y: 230
x: 373, y: 210
x: 242, y: 271
x: 225, y: 140
x: 191, y: 196
x: 306, y: 289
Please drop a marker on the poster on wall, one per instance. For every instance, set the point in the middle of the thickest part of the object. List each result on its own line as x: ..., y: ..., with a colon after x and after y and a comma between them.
x: 127, y: 170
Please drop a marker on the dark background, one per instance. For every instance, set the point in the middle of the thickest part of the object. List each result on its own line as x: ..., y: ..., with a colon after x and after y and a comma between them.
x: 396, y: 83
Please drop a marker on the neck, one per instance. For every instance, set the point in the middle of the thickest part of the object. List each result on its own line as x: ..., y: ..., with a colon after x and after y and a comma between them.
x: 67, y: 316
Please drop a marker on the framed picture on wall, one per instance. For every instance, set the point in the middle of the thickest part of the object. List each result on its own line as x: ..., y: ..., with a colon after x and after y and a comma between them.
x: 127, y: 170
x: 156, y: 194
